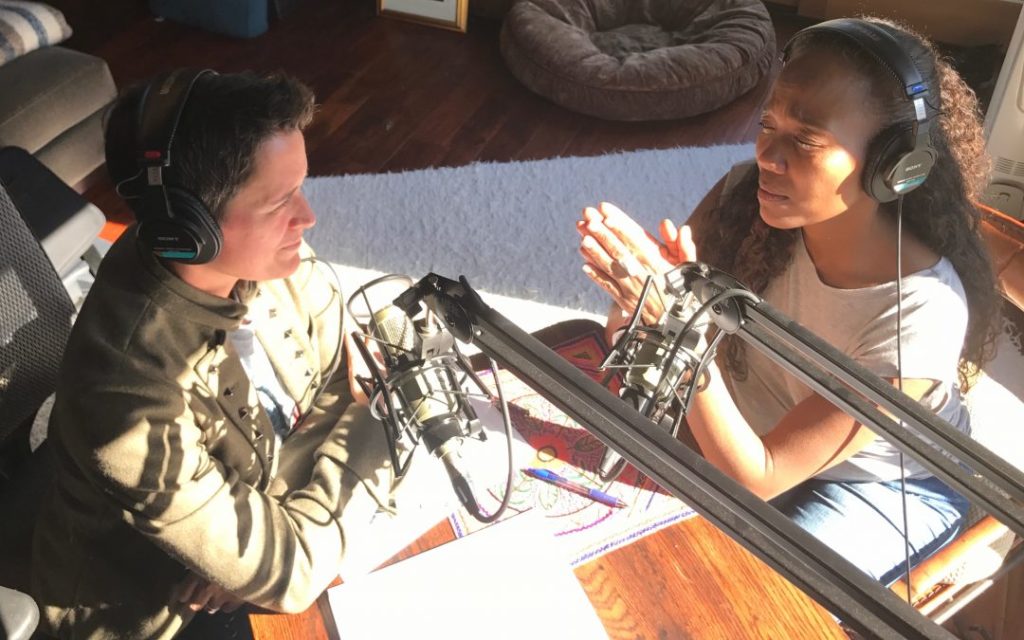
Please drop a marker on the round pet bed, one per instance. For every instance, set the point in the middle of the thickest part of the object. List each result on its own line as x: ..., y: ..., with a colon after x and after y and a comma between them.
x: 639, y: 59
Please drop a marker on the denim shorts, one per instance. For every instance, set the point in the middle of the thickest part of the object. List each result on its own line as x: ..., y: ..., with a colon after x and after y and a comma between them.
x: 863, y: 521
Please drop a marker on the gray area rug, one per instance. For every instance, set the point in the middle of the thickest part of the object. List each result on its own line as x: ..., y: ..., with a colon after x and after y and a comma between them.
x: 508, y: 227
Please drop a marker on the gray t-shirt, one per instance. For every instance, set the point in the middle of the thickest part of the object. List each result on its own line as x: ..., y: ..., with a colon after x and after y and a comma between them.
x: 862, y: 324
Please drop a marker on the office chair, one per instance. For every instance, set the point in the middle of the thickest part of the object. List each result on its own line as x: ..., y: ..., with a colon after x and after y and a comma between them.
x: 36, y: 314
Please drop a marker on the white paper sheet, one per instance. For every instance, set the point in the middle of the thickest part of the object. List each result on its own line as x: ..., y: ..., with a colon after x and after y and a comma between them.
x: 425, y: 496
x: 506, y: 581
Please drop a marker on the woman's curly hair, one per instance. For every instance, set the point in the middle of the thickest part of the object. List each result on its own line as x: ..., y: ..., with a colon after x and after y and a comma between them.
x: 940, y: 213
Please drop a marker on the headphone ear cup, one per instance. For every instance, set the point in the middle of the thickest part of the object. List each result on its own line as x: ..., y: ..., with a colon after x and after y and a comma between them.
x: 190, y: 212
x: 884, y: 151
x: 170, y: 239
x: 179, y: 228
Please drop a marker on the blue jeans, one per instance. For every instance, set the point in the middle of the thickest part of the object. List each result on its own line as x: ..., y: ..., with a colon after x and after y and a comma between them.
x: 863, y: 521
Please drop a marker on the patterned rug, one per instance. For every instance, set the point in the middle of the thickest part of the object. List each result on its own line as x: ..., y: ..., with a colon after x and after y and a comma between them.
x: 588, y: 529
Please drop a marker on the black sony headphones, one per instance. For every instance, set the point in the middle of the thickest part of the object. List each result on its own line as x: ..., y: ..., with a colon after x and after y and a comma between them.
x: 173, y: 222
x: 900, y: 157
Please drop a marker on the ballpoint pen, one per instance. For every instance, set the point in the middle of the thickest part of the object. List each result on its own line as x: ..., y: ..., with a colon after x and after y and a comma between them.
x: 574, y: 487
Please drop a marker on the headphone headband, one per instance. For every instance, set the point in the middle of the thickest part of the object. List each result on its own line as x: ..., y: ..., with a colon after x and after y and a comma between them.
x: 162, y: 105
x: 876, y: 40
x: 879, y: 42
x: 893, y: 172
x: 174, y: 223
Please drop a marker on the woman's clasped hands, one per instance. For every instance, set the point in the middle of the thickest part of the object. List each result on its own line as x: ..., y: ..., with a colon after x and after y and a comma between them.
x: 619, y: 255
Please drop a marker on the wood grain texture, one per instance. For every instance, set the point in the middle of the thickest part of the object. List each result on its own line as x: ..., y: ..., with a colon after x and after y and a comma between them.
x: 686, y: 581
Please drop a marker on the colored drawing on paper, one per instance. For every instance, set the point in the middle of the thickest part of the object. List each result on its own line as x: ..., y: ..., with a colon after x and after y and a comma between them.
x: 588, y: 528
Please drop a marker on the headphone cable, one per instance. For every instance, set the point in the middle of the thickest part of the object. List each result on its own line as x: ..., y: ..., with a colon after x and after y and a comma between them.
x: 899, y: 385
x: 339, y: 350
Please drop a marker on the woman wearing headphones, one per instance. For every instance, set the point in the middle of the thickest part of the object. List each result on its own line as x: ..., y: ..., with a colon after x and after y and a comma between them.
x: 862, y: 113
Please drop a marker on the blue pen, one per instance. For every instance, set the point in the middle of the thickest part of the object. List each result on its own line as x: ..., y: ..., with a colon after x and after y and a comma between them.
x: 575, y: 487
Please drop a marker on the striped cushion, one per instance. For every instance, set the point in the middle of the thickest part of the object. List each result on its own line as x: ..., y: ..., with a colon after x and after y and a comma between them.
x: 26, y: 26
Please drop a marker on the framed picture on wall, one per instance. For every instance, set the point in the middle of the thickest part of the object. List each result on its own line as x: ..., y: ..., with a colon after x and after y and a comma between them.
x: 447, y: 14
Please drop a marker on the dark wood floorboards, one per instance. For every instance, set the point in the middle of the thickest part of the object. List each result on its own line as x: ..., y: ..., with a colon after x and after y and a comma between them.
x: 397, y: 96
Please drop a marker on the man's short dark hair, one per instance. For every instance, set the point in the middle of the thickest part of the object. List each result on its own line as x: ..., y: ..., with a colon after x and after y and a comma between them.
x: 226, y: 118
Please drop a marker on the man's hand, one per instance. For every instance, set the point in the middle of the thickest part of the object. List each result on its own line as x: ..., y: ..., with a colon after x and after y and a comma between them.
x: 202, y: 595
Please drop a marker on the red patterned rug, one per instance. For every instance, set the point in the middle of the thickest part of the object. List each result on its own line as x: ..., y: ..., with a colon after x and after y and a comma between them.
x: 588, y: 529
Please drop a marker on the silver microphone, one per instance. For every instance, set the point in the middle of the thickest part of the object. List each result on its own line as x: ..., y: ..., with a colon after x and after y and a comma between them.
x: 429, y: 388
x: 393, y: 330
x: 418, y: 393
x: 422, y: 380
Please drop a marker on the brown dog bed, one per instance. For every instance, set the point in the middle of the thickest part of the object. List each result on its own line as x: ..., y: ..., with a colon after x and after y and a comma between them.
x: 639, y: 59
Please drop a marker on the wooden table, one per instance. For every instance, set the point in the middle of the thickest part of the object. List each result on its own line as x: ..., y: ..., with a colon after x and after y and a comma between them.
x: 686, y: 581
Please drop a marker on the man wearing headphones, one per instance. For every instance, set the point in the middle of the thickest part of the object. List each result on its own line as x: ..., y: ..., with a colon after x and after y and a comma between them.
x: 208, y: 448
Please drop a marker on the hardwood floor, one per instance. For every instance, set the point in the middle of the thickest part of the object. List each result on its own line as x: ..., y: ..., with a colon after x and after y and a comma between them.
x: 397, y: 96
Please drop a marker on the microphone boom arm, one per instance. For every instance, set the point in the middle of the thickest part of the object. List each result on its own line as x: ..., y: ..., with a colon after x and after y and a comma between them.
x: 833, y: 581
x: 932, y: 441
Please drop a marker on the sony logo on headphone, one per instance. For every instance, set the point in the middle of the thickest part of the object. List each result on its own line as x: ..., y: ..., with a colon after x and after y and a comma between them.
x: 912, y: 167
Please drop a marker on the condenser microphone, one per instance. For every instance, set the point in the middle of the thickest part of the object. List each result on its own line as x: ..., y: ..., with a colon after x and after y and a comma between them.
x: 420, y: 389
x: 423, y: 381
x: 428, y: 385
x: 658, y: 360
x: 394, y: 331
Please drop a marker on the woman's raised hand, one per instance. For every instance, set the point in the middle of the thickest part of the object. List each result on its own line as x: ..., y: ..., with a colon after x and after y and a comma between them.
x: 619, y: 254
x: 679, y: 246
